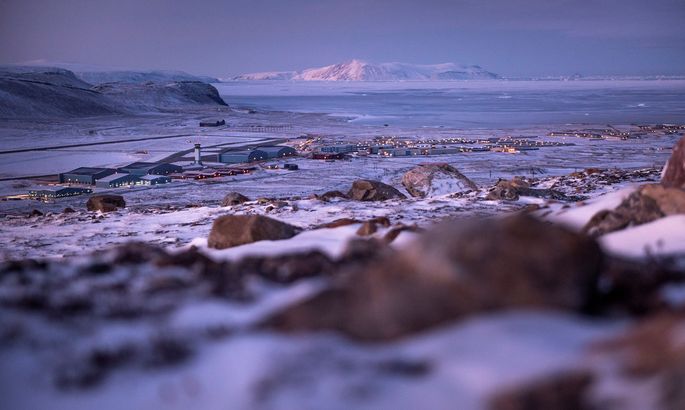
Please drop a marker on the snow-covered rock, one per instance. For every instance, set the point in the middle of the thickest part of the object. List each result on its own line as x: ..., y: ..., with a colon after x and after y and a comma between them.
x: 428, y: 180
x: 358, y: 70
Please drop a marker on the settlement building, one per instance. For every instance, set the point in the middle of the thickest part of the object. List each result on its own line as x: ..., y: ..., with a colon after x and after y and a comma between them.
x: 277, y: 151
x: 325, y: 156
x: 338, y: 149
x: 85, y: 175
x: 117, y: 180
x: 238, y: 157
x: 149, y: 168
x: 154, y: 179
x: 45, y: 194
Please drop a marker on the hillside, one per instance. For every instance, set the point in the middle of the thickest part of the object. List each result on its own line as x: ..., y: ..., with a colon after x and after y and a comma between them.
x: 49, y: 92
x: 357, y: 70
x: 139, y: 77
x: 158, y: 96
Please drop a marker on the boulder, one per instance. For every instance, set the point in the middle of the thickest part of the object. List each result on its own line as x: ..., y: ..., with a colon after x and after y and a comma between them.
x: 368, y: 190
x: 327, y: 196
x: 105, y: 203
x: 35, y: 212
x: 338, y: 223
x: 234, y: 198
x: 233, y: 230
x: 674, y: 171
x: 367, y: 228
x: 427, y: 180
x: 648, y: 203
x: 68, y: 210
x: 449, y: 273
x: 518, y: 186
x: 670, y: 201
x: 561, y: 391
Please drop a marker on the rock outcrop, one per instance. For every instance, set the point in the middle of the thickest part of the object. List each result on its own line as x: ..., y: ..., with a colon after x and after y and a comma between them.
x: 436, y: 179
x: 233, y: 230
x: 234, y: 198
x: 648, y: 203
x: 518, y: 187
x: 105, y: 203
x: 674, y: 172
x: 368, y: 190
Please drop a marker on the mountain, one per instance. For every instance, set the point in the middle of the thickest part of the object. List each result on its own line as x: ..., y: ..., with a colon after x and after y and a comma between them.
x: 140, y: 77
x: 98, y: 74
x: 153, y: 96
x: 48, y: 92
x: 40, y: 92
x: 357, y: 70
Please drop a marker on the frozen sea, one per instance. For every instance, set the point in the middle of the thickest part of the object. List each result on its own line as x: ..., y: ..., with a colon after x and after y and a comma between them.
x: 483, y: 104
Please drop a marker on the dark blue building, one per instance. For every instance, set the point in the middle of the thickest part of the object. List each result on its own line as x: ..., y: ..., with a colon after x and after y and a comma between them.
x: 150, y: 168
x: 85, y: 175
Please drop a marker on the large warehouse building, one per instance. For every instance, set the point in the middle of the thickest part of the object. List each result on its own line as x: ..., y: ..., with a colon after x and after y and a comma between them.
x: 278, y: 151
x: 117, y: 180
x: 243, y: 156
x: 85, y: 175
x: 150, y: 168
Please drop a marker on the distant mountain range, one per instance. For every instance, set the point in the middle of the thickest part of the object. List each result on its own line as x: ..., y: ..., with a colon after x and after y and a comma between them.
x: 357, y: 70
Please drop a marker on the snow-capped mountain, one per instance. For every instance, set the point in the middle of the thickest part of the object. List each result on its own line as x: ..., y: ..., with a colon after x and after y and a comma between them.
x: 357, y: 70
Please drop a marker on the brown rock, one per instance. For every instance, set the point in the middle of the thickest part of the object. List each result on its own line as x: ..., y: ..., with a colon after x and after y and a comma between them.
x: 331, y: 194
x: 338, y: 223
x: 645, y: 205
x: 461, y: 269
x: 515, y: 261
x: 670, y: 201
x: 35, y: 212
x: 234, y: 198
x: 674, y: 172
x: 393, y: 233
x: 518, y: 186
x: 286, y: 268
x: 419, y: 181
x: 233, y: 230
x: 105, y: 203
x: 367, y: 228
x: 381, y: 220
x: 68, y: 210
x: 651, y: 347
x: 563, y: 391
x: 368, y: 190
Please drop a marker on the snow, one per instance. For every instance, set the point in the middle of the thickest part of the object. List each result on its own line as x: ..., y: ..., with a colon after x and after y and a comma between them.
x: 465, y: 363
x: 663, y: 237
x: 331, y: 241
x: 580, y: 214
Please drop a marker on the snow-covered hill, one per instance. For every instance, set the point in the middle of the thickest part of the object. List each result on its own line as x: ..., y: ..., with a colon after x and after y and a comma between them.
x: 47, y: 92
x: 357, y: 70
x: 140, y: 77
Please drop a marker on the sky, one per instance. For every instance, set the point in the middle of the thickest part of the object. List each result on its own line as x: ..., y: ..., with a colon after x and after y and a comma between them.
x: 225, y: 38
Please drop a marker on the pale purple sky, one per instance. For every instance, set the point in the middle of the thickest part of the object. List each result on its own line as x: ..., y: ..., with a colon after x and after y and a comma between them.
x: 222, y: 38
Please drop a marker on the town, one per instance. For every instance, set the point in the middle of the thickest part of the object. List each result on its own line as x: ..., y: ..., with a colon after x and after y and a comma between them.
x: 220, y: 162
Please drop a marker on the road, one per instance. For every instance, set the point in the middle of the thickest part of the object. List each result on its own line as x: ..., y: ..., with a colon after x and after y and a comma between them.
x: 89, y: 144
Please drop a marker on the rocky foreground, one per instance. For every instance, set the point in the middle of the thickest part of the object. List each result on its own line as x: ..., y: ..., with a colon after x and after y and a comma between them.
x: 567, y: 303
